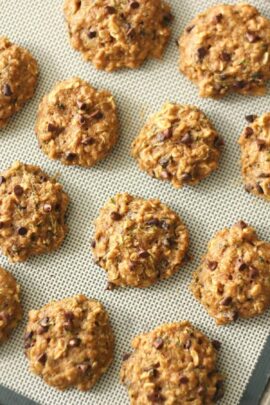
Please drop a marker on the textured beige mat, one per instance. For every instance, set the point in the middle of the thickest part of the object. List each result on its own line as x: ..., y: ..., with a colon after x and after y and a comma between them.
x: 217, y: 202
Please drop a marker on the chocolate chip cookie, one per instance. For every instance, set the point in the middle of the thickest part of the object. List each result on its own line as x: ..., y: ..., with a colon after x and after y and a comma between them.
x: 32, y: 212
x: 10, y: 307
x: 172, y: 364
x: 69, y: 343
x: 114, y: 34
x: 18, y: 78
x: 233, y: 279
x: 178, y: 144
x: 77, y: 124
x: 226, y: 49
x: 138, y: 242
x: 255, y: 149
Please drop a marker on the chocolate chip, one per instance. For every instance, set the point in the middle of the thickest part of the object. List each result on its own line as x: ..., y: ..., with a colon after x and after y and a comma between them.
x: 47, y: 207
x: 88, y: 141
x: 115, y: 216
x: 241, y: 84
x: 241, y: 265
x: 134, y: 5
x: 70, y: 156
x: 45, y: 322
x: 126, y: 356
x: 2, y: 224
x: 164, y: 162
x: 69, y: 315
x: 242, y: 224
x: 219, y: 391
x: 81, y: 105
x: 183, y: 380
x: 259, y: 189
x: 158, y: 343
x: 6, y: 90
x: 261, y: 144
x: 130, y: 31
x: 156, y: 397
x: 91, y: 34
x: 223, y: 77
x: 212, y: 265
x: 202, y: 52
x: 201, y: 390
x: 42, y: 359
x: 219, y: 142
x: 187, y: 139
x: 144, y: 254
x: 186, y: 177
x: 248, y: 132
x: 93, y: 244
x: 216, y: 344
x: 84, y: 367
x: 225, y: 56
x: 2, y: 180
x: 42, y: 329
x: 227, y: 301
x: 110, y: 287
x: 190, y: 28
x: 167, y: 19
x: 251, y: 118
x: 253, y: 272
x: 110, y: 10
x: 75, y: 342
x: 22, y: 231
x: 218, y: 18
x: 154, y: 222
x: 257, y: 76
x: 55, y: 129
x: 18, y: 191
x: 97, y: 115
x: 163, y: 136
x: 252, y: 37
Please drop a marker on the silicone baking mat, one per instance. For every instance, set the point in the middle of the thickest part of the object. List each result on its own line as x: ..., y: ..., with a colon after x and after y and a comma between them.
x: 217, y: 202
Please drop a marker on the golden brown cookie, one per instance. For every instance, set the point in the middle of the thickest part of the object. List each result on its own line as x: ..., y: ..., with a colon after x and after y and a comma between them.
x: 76, y: 123
x: 178, y: 144
x: 226, y: 49
x: 172, y: 364
x: 138, y: 242
x: 32, y: 212
x: 233, y: 279
x: 69, y: 343
x: 113, y: 34
x: 18, y: 78
x: 255, y: 149
x: 10, y: 307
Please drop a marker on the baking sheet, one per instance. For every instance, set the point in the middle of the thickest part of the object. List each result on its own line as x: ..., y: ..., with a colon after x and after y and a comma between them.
x: 217, y: 202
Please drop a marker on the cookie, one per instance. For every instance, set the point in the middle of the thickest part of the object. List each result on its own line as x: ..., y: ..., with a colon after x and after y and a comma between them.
x: 76, y: 123
x: 138, y: 242
x: 233, y: 279
x: 32, y: 212
x: 226, y: 49
x: 255, y: 150
x: 178, y: 144
x: 69, y: 343
x: 18, y: 79
x: 118, y: 34
x: 10, y: 307
x: 172, y: 364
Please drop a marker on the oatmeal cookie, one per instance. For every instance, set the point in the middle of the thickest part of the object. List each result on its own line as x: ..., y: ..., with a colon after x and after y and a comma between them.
x: 18, y: 78
x: 69, y: 343
x: 77, y: 124
x: 226, y: 49
x: 233, y: 279
x: 172, y: 364
x: 114, y: 34
x: 10, y: 307
x: 138, y: 242
x: 255, y: 148
x: 178, y: 144
x: 32, y: 212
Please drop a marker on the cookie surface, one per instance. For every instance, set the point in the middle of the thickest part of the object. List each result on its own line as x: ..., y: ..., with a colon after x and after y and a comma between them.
x: 233, y: 279
x: 76, y: 123
x: 32, y: 212
x: 10, y: 307
x: 18, y: 78
x: 117, y: 34
x: 172, y: 364
x: 178, y: 144
x: 138, y: 242
x: 69, y: 343
x: 226, y: 49
x: 255, y: 149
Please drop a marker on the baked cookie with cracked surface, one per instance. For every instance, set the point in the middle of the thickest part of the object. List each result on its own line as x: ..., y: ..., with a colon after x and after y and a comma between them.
x: 233, y: 279
x: 69, y: 343
x: 18, y: 78
x: 32, y: 212
x: 173, y: 364
x: 77, y: 124
x: 226, y: 49
x: 10, y: 306
x: 178, y: 144
x: 255, y: 149
x: 115, y: 34
x: 138, y: 242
